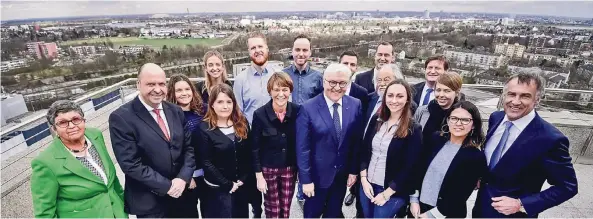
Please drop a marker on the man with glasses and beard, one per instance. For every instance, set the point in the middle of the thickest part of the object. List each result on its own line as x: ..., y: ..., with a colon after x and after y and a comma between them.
x: 250, y: 89
x: 384, y: 55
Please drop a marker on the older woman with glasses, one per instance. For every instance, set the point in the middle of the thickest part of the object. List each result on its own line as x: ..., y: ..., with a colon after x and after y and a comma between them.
x: 74, y: 176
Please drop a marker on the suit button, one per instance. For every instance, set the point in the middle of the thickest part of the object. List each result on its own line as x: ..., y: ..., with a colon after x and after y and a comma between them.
x: 283, y: 135
x: 283, y: 149
x: 440, y: 198
x: 336, y: 166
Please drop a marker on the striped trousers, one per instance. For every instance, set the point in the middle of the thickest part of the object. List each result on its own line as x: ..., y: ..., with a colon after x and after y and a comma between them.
x: 278, y: 198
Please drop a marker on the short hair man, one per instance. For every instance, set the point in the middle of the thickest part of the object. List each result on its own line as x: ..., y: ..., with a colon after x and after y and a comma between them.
x: 523, y: 151
x: 308, y: 82
x: 423, y: 92
x: 250, y: 84
x: 142, y: 131
x: 328, y: 137
x: 384, y: 55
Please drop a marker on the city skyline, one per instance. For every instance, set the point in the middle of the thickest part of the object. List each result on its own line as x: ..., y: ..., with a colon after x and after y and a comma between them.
x: 17, y: 10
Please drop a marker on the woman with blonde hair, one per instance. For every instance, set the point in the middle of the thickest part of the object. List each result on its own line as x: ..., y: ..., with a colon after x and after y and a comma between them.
x: 214, y: 72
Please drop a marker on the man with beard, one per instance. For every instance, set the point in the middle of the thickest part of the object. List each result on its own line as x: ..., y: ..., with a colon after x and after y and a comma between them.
x: 384, y: 55
x: 308, y: 82
x: 250, y: 84
x: 250, y: 90
x: 328, y: 134
x: 152, y: 147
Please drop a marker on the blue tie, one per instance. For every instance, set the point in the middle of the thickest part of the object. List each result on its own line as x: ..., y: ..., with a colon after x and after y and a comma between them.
x: 336, y: 118
x: 427, y: 96
x: 497, y: 154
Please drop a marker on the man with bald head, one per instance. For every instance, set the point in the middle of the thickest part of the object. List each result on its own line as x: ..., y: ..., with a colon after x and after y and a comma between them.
x: 328, y: 134
x: 152, y: 147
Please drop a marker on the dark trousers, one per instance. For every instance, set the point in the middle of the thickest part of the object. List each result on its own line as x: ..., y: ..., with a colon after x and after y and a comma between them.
x: 219, y: 203
x: 327, y: 201
x: 188, y: 202
x: 354, y: 191
x: 388, y: 210
x: 255, y: 198
x: 155, y: 215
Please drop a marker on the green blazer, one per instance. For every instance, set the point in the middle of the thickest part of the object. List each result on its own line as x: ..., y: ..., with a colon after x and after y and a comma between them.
x: 62, y: 187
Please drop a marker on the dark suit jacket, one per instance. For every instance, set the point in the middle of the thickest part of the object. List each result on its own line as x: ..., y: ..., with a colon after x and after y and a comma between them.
x: 540, y: 153
x: 225, y: 161
x: 466, y: 168
x: 365, y: 80
x: 402, y: 157
x: 273, y: 142
x: 361, y: 94
x: 320, y: 154
x: 417, y: 93
x: 147, y: 159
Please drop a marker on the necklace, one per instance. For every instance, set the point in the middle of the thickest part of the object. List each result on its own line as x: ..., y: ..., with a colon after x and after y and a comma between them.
x: 81, y: 150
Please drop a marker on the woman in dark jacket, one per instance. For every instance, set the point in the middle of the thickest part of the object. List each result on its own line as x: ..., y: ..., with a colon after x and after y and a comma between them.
x: 454, y: 167
x: 391, y: 147
x: 226, y: 156
x: 273, y: 144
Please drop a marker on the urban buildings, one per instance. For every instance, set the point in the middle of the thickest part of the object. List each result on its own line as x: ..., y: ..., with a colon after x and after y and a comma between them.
x: 43, y: 50
x: 485, y: 60
x: 83, y: 50
x: 511, y: 51
x: 13, y: 64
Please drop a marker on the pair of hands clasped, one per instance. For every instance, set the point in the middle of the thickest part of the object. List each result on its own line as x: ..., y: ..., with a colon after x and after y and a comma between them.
x: 381, y: 198
x: 177, y: 187
x: 309, y: 189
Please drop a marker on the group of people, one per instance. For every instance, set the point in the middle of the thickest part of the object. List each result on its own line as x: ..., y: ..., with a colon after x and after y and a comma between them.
x: 416, y: 151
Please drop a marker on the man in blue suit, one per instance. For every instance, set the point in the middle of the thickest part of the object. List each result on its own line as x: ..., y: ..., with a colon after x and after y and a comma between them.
x: 152, y: 148
x: 328, y: 134
x: 523, y: 151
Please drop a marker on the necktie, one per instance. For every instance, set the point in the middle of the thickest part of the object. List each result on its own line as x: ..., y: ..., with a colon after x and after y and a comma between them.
x: 337, y: 124
x: 497, y: 154
x: 161, y: 123
x: 427, y: 96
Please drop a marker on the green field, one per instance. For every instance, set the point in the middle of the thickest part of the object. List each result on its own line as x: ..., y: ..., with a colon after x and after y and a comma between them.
x: 155, y: 43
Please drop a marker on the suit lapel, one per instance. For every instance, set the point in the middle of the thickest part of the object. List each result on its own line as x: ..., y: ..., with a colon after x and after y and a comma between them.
x: 104, y: 156
x: 514, y: 156
x: 325, y: 115
x: 72, y: 164
x: 346, y: 110
x: 492, y: 129
x: 143, y: 113
x: 170, y: 118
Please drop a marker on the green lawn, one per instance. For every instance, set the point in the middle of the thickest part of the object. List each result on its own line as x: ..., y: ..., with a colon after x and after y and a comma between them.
x: 155, y: 43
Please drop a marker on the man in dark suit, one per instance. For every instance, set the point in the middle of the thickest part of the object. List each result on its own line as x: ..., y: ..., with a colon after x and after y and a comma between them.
x: 350, y: 59
x: 423, y: 92
x: 152, y: 148
x: 523, y: 151
x: 328, y: 134
x: 384, y: 55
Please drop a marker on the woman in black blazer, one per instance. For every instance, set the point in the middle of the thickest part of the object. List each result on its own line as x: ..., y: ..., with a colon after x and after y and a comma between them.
x: 454, y: 167
x: 226, y: 156
x: 273, y: 137
x: 391, y: 147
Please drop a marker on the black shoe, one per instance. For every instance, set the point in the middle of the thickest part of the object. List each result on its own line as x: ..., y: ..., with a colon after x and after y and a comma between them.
x: 349, y: 199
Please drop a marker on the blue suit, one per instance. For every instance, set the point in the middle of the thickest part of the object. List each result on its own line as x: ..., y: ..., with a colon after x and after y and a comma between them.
x: 322, y: 158
x: 538, y: 154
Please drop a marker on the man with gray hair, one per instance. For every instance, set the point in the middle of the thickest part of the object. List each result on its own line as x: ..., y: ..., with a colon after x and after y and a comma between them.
x: 523, y: 151
x: 327, y: 139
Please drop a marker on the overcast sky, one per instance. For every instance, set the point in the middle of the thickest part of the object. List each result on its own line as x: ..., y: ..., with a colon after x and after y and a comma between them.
x: 49, y: 9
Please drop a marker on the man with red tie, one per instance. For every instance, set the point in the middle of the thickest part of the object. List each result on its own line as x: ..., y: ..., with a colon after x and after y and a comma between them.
x: 152, y: 148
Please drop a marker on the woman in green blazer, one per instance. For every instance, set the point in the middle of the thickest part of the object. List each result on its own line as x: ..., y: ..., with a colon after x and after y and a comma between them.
x: 75, y: 177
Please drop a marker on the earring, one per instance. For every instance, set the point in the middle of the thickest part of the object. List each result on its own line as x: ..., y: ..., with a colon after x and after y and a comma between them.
x: 443, y: 129
x: 471, y: 133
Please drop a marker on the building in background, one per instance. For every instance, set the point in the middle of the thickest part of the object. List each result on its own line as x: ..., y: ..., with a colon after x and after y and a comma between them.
x: 511, y: 51
x: 83, y: 50
x: 426, y: 14
x: 13, y: 64
x: 43, y: 50
x: 12, y: 106
x: 485, y: 60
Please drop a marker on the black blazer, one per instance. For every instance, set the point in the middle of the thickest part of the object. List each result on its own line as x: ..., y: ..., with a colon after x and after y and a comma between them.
x: 361, y: 94
x: 402, y: 157
x: 224, y: 161
x: 273, y: 142
x: 467, y: 167
x: 147, y: 159
x: 417, y: 93
x: 204, y: 92
x: 365, y: 80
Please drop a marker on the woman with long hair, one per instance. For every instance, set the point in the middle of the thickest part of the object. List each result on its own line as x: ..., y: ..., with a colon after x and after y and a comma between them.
x: 214, y: 72
x: 226, y: 156
x: 391, y: 147
x: 183, y: 93
x: 454, y: 166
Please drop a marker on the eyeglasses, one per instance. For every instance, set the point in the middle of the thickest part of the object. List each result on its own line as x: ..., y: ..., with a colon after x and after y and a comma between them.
x: 65, y: 123
x: 334, y: 83
x: 464, y: 121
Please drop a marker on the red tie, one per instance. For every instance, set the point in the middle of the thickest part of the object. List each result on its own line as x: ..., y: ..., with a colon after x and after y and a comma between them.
x: 161, y: 123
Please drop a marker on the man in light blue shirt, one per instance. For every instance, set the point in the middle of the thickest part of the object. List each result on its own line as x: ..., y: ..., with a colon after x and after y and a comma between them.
x: 308, y: 82
x: 250, y: 85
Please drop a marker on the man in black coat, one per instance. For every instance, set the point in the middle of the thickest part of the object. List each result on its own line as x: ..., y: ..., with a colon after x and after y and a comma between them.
x: 384, y: 55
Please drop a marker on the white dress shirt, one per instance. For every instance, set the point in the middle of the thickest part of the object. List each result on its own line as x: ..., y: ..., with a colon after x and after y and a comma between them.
x: 94, y: 163
x: 430, y: 98
x: 330, y: 106
x: 514, y: 132
x: 161, y: 112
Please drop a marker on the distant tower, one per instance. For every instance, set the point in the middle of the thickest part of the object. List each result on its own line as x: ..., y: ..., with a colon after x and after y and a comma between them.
x: 426, y: 14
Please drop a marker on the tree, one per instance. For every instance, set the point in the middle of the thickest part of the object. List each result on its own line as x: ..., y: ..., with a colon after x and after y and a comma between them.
x: 164, y: 47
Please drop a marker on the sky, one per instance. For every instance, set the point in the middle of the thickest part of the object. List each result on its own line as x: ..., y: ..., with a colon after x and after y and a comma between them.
x: 49, y: 9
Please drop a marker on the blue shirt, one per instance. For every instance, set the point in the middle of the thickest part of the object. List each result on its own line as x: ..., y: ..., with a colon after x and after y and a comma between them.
x: 307, y: 83
x: 251, y: 91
